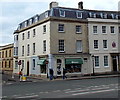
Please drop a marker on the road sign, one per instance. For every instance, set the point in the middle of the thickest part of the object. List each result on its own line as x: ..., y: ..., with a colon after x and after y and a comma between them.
x: 19, y: 62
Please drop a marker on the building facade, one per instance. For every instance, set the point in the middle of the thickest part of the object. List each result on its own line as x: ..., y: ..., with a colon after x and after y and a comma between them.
x: 6, y: 58
x: 104, y: 44
x: 59, y: 38
x: 54, y: 40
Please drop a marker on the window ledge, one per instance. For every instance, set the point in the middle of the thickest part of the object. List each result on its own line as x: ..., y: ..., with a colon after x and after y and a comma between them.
x: 61, y: 31
x: 61, y: 51
x: 78, y: 32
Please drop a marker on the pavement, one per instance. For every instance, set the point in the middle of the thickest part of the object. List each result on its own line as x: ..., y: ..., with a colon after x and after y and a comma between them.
x: 7, y: 79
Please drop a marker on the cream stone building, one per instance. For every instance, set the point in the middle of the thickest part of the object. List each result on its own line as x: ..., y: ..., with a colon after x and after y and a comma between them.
x: 104, y: 39
x: 6, y: 58
x: 62, y: 38
x: 57, y: 39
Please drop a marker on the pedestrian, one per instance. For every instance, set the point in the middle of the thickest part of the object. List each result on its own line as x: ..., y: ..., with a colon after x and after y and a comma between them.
x: 20, y: 74
x: 51, y: 74
x: 64, y: 73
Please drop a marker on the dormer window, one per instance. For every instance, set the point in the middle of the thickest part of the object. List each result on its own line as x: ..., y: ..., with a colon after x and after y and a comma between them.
x: 112, y: 16
x: 30, y: 21
x: 62, y: 13
x: 36, y: 19
x: 79, y: 14
x: 116, y: 16
x: 46, y: 14
x: 103, y: 15
x: 25, y: 24
x: 92, y: 15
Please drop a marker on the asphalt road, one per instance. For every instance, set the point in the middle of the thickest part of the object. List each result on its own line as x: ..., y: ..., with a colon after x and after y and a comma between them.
x: 87, y: 88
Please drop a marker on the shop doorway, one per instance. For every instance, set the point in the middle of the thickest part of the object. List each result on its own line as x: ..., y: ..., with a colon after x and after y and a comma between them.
x: 114, y: 62
x: 59, y: 67
x: 27, y: 68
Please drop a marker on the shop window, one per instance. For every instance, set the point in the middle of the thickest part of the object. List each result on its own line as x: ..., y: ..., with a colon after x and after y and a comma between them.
x: 43, y: 69
x: 75, y: 68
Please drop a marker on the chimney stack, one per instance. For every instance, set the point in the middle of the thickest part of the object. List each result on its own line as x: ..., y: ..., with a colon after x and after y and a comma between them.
x: 53, y: 4
x: 80, y: 5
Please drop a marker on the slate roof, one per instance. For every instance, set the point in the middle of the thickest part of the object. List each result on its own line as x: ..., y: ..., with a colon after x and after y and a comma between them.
x: 70, y: 13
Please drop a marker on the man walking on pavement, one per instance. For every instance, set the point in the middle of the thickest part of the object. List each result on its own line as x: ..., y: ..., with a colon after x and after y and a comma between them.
x: 64, y: 72
x: 51, y: 74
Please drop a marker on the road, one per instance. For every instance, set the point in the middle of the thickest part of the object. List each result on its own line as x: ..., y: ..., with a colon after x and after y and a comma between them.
x: 87, y: 88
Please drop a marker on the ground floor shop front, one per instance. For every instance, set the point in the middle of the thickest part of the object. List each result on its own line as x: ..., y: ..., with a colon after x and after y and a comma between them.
x: 73, y: 64
x: 77, y: 65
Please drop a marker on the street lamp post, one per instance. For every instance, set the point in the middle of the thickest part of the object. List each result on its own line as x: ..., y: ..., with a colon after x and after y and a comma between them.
x: 93, y: 64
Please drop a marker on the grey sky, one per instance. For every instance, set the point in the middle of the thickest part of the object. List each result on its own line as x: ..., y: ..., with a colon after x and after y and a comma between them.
x: 13, y: 12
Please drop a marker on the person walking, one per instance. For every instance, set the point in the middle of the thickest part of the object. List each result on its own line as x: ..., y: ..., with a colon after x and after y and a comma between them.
x: 64, y: 74
x: 20, y: 75
x: 51, y: 74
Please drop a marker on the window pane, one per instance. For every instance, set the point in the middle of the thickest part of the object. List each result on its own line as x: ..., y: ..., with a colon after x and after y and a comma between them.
x: 96, y: 61
x: 78, y: 29
x: 61, y: 27
x: 33, y: 64
x: 112, y: 29
x: 103, y: 29
x: 94, y: 29
x: 95, y: 44
x: 104, y: 43
x: 105, y: 60
x: 79, y: 45
x: 61, y: 45
x: 44, y: 45
x: 33, y: 48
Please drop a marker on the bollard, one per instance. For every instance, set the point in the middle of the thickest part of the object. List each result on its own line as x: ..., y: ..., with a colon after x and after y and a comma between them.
x: 24, y: 78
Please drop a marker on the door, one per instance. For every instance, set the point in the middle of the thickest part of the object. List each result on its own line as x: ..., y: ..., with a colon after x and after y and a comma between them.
x: 27, y: 68
x: 114, y: 61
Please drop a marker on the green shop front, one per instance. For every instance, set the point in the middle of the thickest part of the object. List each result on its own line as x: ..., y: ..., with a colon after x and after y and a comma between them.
x: 43, y: 66
x: 73, y: 65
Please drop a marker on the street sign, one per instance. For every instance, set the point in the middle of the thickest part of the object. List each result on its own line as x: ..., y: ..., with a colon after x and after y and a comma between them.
x: 19, y: 62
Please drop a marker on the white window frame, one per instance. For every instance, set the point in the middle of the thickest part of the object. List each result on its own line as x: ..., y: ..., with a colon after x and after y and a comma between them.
x: 61, y: 28
x: 95, y: 29
x: 78, y: 29
x: 97, y: 61
x: 105, y: 44
x: 36, y: 19
x: 61, y: 46
x: 79, y: 13
x: 22, y: 50
x: 33, y: 48
x: 79, y: 46
x: 96, y: 45
x: 112, y: 29
x: 34, y: 64
x: 23, y: 36
x: 44, y: 29
x: 44, y: 45
x: 22, y: 64
x: 62, y: 13
x: 106, y: 61
x: 34, y: 32
x: 28, y: 35
x: 28, y: 49
x: 104, y: 29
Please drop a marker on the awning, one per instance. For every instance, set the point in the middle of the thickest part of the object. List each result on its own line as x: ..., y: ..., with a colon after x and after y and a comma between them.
x: 41, y: 62
x: 74, y: 61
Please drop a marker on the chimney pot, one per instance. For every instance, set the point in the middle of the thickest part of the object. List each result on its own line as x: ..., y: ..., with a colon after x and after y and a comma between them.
x: 80, y: 5
x: 53, y: 4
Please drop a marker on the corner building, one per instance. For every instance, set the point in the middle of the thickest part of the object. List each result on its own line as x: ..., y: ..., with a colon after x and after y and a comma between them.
x: 58, y: 38
x: 55, y: 39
